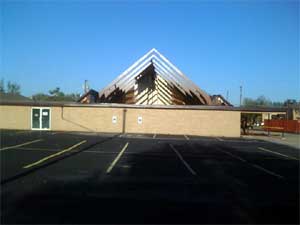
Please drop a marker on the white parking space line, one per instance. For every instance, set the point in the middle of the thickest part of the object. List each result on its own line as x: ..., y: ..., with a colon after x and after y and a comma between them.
x: 20, y: 145
x: 183, y: 161
x: 267, y: 171
x: 254, y: 165
x: 277, y: 153
x: 117, y: 158
x: 186, y: 137
x: 232, y: 155
x: 219, y: 139
x: 154, y: 136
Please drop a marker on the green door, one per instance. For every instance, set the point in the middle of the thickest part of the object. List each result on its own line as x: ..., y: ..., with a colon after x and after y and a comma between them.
x: 36, y: 118
x: 45, y: 118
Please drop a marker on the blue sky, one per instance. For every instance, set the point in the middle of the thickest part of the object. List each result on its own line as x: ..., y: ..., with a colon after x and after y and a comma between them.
x: 220, y: 45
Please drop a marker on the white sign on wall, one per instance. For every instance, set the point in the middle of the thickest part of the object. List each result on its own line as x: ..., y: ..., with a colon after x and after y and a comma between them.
x: 140, y: 120
x: 114, y: 119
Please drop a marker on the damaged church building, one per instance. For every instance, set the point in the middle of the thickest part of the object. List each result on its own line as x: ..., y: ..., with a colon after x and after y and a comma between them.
x: 152, y: 96
x: 153, y: 80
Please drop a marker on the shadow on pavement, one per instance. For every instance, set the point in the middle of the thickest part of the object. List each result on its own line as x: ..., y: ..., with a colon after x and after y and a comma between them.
x: 150, y: 188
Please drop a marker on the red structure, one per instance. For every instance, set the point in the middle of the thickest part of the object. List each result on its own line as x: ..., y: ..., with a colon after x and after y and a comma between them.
x: 291, y: 126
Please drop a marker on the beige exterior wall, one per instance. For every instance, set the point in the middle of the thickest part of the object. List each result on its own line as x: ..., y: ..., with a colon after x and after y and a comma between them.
x: 266, y: 117
x: 189, y: 122
x: 86, y: 119
x: 296, y: 114
x: 15, y: 117
x: 158, y: 121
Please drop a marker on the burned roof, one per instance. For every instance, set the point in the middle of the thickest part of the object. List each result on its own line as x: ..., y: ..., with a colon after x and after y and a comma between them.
x: 171, y: 80
x: 89, y: 97
x: 220, y: 100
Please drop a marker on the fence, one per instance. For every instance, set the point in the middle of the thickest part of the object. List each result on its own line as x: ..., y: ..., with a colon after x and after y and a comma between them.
x: 291, y: 126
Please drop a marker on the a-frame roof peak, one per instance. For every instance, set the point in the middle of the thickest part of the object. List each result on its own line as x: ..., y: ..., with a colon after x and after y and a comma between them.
x: 153, y: 51
x: 163, y: 67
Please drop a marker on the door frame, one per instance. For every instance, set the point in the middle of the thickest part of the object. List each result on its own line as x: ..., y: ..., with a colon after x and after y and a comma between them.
x: 41, y: 109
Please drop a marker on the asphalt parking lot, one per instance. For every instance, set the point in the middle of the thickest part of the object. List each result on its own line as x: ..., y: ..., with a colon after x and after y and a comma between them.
x: 65, y: 177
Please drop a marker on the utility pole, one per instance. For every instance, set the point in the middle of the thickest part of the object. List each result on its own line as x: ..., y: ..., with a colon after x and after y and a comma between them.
x: 85, y: 86
x: 227, y: 95
x: 241, y: 89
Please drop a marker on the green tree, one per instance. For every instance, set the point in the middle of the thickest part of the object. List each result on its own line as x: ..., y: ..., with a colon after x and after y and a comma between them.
x: 263, y: 101
x: 290, y: 102
x: 2, y: 88
x: 13, y: 88
x: 249, y: 102
x: 56, y: 92
x: 277, y: 104
x: 260, y: 101
x: 40, y: 97
x: 56, y: 95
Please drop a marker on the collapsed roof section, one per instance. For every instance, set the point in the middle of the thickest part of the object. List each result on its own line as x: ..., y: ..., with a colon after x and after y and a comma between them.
x: 220, y: 100
x: 152, y: 80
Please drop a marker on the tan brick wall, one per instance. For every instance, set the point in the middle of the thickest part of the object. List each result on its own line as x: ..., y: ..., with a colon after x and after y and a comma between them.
x: 189, y: 122
x: 15, y: 117
x: 159, y: 121
x: 86, y: 119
